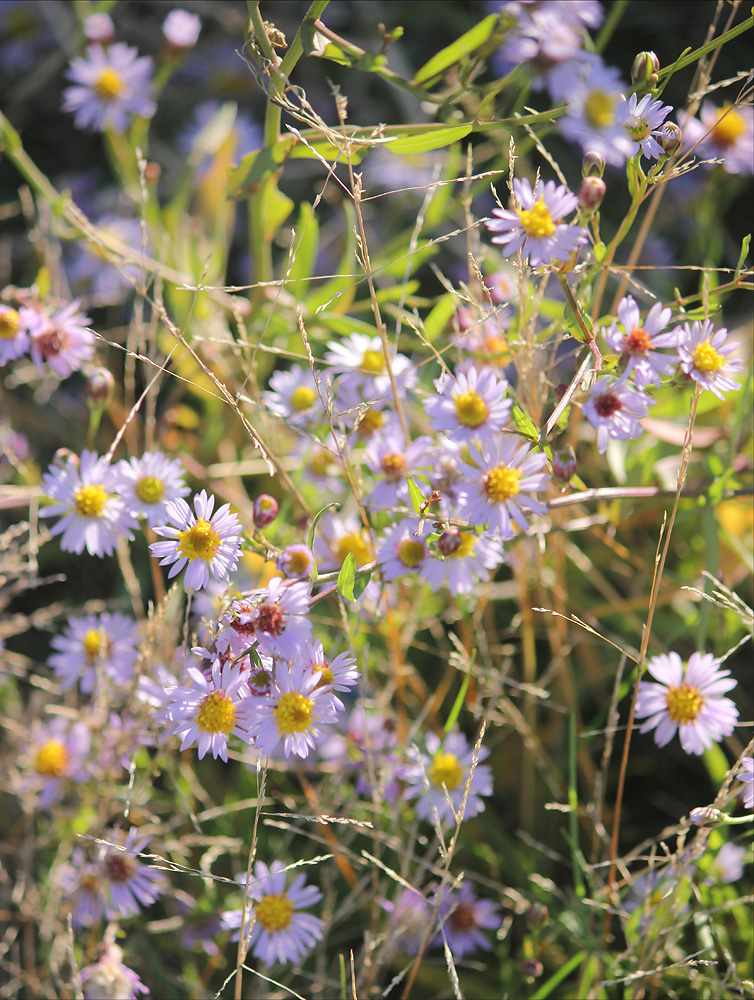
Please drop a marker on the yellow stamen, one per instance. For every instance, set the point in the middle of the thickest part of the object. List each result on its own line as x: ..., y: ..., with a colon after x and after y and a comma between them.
x: 373, y: 361
x: 200, y: 541
x: 302, y: 398
x: 684, y: 703
x: 471, y: 409
x: 371, y: 422
x: 362, y: 551
x: 10, y: 321
x: 537, y: 222
x: 217, y: 714
x: 93, y: 644
x: 466, y: 548
x: 501, y: 484
x: 90, y: 501
x: 293, y: 713
x: 411, y: 554
x: 109, y: 84
x: 445, y: 770
x: 149, y: 489
x: 599, y: 109
x: 706, y: 358
x: 728, y: 129
x: 51, y: 759
x: 274, y: 912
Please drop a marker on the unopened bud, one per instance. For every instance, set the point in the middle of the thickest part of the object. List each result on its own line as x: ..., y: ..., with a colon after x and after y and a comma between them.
x: 449, y: 541
x: 564, y: 464
x: 644, y: 70
x: 265, y: 510
x: 63, y: 457
x: 706, y: 816
x: 181, y: 30
x: 99, y: 388
x: 99, y: 29
x: 593, y: 165
x: 531, y: 969
x: 537, y: 914
x: 591, y: 193
x: 669, y: 137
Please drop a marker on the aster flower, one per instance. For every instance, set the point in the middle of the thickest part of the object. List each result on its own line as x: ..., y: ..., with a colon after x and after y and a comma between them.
x: 614, y: 409
x: 207, y: 543
x: 688, y: 699
x: 462, y: 919
x: 642, y: 118
x: 726, y: 133
x: 360, y: 362
x: 149, y: 483
x: 728, y: 865
x: 401, y: 551
x: 296, y: 560
x: 483, y: 337
x: 639, y: 342
x: 596, y: 110
x: 276, y: 618
x: 704, y: 356
x: 91, y: 271
x: 746, y: 777
x: 293, y: 397
x: 471, y: 405
x: 366, y: 734
x: 93, y: 515
x: 468, y: 565
x: 56, y: 752
x: 320, y: 463
x: 109, y: 977
x: 534, y: 228
x: 280, y: 931
x: 107, y: 643
x: 109, y: 85
x: 211, y: 709
x: 498, y: 483
x: 130, y: 884
x: 387, y: 456
x: 410, y: 918
x: 437, y: 779
x: 14, y: 331
x: 83, y: 886
x: 62, y: 340
x: 297, y: 712
x: 338, y: 674
x: 336, y: 537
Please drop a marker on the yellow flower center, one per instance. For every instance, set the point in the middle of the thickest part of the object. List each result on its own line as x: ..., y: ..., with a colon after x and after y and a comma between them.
x: 371, y: 422
x: 501, y: 484
x: 684, y: 703
x: 373, y: 361
x: 319, y: 462
x: 298, y: 563
x: 10, y: 321
x: 538, y: 222
x: 274, y: 912
x: 260, y: 680
x: 706, y: 358
x: 302, y: 398
x: 293, y: 713
x: 638, y: 129
x: 599, y: 109
x: 471, y: 408
x: 638, y: 341
x: 327, y: 676
x: 51, y: 759
x: 149, y: 489
x: 393, y: 465
x: 90, y: 501
x: 466, y: 548
x: 411, y: 554
x: 200, y: 541
x: 445, y: 770
x: 95, y: 643
x: 109, y: 84
x: 729, y: 129
x: 217, y: 713
x: 362, y: 551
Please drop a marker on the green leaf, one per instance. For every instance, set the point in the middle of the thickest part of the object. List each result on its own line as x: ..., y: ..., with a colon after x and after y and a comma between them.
x: 434, y: 137
x: 346, y: 325
x: 744, y: 253
x: 347, y: 576
x: 599, y: 250
x: 460, y: 698
x: 525, y: 423
x: 439, y: 316
x: 307, y: 242
x: 275, y: 206
x: 457, y: 50
x: 415, y: 493
x: 315, y: 522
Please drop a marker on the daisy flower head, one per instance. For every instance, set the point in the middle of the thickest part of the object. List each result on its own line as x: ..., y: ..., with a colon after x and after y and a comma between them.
x: 401, y: 551
x: 596, y: 109
x: 94, y: 274
x: 297, y: 712
x: 105, y: 644
x: 614, y: 409
x: 129, y: 884
x: 293, y: 396
x: 470, y: 405
x: 83, y: 886
x: 275, y: 618
x: 643, y: 118
x: 56, y: 753
x: 296, y: 561
x: 746, y: 777
x: 92, y: 514
x: 437, y: 779
x: 411, y: 916
x: 704, y: 356
x: 725, y: 133
x: 280, y: 931
x: 639, y: 342
x: 360, y: 363
x: 320, y: 463
x: 388, y: 457
x: 205, y: 542
x: 463, y: 917
x: 109, y: 85
x: 500, y: 484
x: 15, y: 325
x: 728, y: 865
x: 467, y: 565
x: 211, y: 709
x: 687, y: 699
x: 336, y: 537
x: 109, y: 977
x: 338, y: 674
x: 535, y: 228
x: 149, y: 483
x: 62, y: 340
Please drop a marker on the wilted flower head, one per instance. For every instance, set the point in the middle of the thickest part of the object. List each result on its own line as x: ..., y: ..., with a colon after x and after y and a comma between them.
x: 462, y: 919
x: 130, y: 884
x: 61, y: 340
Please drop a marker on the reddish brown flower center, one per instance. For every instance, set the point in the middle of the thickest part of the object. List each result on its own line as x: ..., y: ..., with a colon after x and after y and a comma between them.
x: 119, y: 867
x: 270, y: 618
x: 638, y: 341
x: 606, y: 404
x: 462, y: 918
x: 50, y: 343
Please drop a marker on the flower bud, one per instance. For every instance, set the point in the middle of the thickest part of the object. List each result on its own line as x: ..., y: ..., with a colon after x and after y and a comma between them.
x: 531, y: 969
x: 564, y: 464
x: 645, y: 68
x: 99, y: 29
x: 181, y: 30
x: 669, y: 137
x: 99, y: 388
x: 64, y: 456
x: 265, y: 510
x: 706, y: 816
x: 537, y: 914
x: 593, y: 165
x: 449, y: 541
x: 591, y: 193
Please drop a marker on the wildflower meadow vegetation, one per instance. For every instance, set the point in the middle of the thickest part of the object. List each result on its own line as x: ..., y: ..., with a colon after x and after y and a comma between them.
x: 376, y: 536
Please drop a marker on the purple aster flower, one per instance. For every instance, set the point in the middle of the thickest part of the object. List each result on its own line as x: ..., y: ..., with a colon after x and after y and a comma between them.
x: 336, y: 537
x: 211, y: 709
x: 99, y: 29
x: 15, y: 325
x: 642, y: 118
x: 207, y: 543
x: 130, y: 885
x: 704, y: 356
x: 498, y: 483
x: 468, y: 565
x: 62, y: 340
x: 320, y: 463
x: 728, y: 865
x: 688, y: 699
x: 410, y: 918
x: 149, y: 483
x: 280, y: 931
x: 103, y: 645
x: 83, y: 885
x: 725, y: 133
x: 339, y: 674
x: 462, y: 919
x: 297, y: 712
x: 471, y: 405
x: 437, y: 779
x: 296, y: 560
x: 93, y: 515
x: 639, y: 342
x: 293, y: 396
x: 275, y: 618
x: 360, y: 362
x: 401, y: 551
x: 109, y: 85
x: 181, y: 29
x: 365, y: 739
x: 387, y: 456
x: 596, y: 110
x: 109, y: 977
x: 614, y: 409
x: 534, y: 228
x: 483, y: 338
x: 746, y: 777
x: 56, y: 753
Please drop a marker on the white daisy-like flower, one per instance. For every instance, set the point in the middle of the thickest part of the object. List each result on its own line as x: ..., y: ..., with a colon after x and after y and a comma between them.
x: 149, y: 483
x: 470, y: 405
x: 86, y: 495
x: 63, y: 340
x: 15, y: 325
x: 293, y: 397
x: 596, y: 109
x: 437, y: 779
x: 275, y: 618
x: 704, y: 356
x: 205, y: 542
x: 402, y: 551
x: 297, y: 712
x: 360, y: 362
x: 688, y: 700
x: 642, y: 118
x: 211, y: 709
x: 106, y: 642
x: 726, y: 133
x: 387, y: 456
x: 638, y: 342
x: 339, y: 674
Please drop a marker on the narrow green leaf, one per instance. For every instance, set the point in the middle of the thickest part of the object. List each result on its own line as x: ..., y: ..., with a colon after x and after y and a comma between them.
x: 415, y: 493
x: 525, y: 423
x: 744, y: 253
x: 347, y: 576
x: 451, y: 54
x: 435, y: 137
x: 460, y: 698
x: 439, y: 316
x: 317, y: 517
x: 307, y: 242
